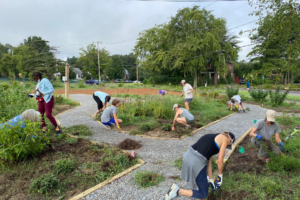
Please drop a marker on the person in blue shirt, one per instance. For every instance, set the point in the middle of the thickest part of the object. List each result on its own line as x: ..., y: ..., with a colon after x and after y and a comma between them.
x: 43, y: 94
x: 29, y: 114
x: 101, y: 99
x: 248, y: 85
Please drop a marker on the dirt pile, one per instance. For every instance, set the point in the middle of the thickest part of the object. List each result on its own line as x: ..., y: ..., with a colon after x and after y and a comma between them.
x: 129, y: 144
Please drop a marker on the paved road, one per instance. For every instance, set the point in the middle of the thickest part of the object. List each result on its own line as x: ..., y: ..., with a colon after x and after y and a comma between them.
x: 159, y: 155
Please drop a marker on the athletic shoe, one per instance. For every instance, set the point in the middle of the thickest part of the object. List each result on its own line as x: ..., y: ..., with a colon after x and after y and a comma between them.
x: 57, y: 130
x: 187, y: 127
x: 244, y: 111
x: 108, y: 127
x: 172, y: 193
x: 113, y: 124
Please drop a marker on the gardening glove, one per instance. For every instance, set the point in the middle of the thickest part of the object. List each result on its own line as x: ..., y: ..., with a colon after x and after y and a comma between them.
x: 211, y: 184
x: 219, y: 181
x: 118, y: 127
x: 237, y: 106
x: 259, y: 137
x: 281, y: 146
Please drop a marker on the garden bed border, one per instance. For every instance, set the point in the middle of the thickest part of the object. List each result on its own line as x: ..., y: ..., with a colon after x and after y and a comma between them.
x: 100, y: 185
x: 182, y: 137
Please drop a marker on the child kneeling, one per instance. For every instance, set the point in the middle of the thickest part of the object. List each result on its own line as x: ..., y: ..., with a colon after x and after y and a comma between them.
x: 109, y: 115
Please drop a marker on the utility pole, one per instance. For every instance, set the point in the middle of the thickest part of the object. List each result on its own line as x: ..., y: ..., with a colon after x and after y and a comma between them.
x: 67, y: 81
x: 99, y: 62
x: 137, y: 72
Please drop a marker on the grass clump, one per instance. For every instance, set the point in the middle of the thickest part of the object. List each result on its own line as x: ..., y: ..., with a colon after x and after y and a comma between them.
x: 178, y: 163
x: 283, y: 163
x: 146, y: 127
x: 64, y: 166
x: 135, y: 132
x: 166, y: 127
x: 147, y: 179
x: 80, y: 129
x: 45, y: 184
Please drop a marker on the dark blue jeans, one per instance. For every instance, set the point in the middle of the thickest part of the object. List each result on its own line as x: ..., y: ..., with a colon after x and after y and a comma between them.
x: 202, y: 184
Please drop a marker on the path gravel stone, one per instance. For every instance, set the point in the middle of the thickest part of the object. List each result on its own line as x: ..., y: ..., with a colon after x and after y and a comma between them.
x: 159, y: 155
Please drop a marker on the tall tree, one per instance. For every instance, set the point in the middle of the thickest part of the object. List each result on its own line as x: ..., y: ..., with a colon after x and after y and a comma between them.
x: 115, y: 70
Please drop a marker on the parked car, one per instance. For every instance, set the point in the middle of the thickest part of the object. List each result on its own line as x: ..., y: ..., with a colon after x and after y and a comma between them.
x: 129, y: 81
x: 92, y: 81
x: 242, y: 80
x: 136, y: 81
x: 118, y: 81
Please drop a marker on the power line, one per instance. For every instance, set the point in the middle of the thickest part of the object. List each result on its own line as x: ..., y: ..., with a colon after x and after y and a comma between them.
x: 243, y: 24
x: 234, y: 10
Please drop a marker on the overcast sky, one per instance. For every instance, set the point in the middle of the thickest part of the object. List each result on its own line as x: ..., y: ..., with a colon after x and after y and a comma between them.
x: 72, y: 24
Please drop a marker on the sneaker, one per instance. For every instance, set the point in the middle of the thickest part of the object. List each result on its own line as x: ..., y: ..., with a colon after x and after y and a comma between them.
x: 113, y: 124
x: 108, y: 127
x: 172, y: 193
x: 58, y: 131
x: 244, y: 111
x: 187, y: 127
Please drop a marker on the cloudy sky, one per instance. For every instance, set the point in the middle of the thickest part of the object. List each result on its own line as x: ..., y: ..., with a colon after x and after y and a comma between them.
x: 72, y: 24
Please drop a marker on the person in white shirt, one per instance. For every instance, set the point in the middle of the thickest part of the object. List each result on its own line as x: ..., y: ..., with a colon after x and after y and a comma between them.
x: 187, y: 92
x: 236, y: 99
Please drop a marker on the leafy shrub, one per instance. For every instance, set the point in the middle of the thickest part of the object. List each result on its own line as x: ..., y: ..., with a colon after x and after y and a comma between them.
x: 259, y: 94
x: 120, y: 84
x: 22, y: 142
x: 58, y: 99
x: 231, y: 91
x: 283, y: 163
x: 146, y: 127
x: 64, y: 166
x: 16, y: 84
x: 272, y: 188
x: 162, y: 110
x: 166, y: 127
x: 5, y: 86
x: 45, y: 184
x: 268, y: 86
x: 245, y: 98
x: 147, y: 179
x: 81, y: 84
x: 135, y: 132
x: 223, y: 100
x: 277, y: 98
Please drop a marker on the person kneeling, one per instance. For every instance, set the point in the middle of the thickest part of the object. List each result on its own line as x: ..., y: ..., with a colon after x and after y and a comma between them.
x: 109, y: 115
x: 197, y: 163
x: 262, y: 134
x: 186, y: 118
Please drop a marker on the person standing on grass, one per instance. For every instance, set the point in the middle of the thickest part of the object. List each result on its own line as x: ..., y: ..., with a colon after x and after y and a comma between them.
x: 248, y: 85
x: 101, y: 99
x: 43, y: 94
x: 109, y: 115
x: 236, y: 99
x: 187, y: 92
x: 197, y: 163
x: 262, y: 134
x: 185, y: 118
x: 162, y: 93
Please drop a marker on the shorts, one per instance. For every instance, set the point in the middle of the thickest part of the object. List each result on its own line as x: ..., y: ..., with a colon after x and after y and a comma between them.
x: 111, y: 121
x: 189, y: 121
x: 188, y: 100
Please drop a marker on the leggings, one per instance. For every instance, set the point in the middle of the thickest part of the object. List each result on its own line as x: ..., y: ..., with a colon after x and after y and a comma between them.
x: 98, y: 101
x: 202, y: 184
x: 43, y: 106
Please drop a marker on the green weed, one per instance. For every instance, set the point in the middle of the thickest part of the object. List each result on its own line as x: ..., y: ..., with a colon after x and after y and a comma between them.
x: 146, y: 127
x: 147, y: 179
x: 64, y: 166
x: 178, y: 163
x: 135, y: 132
x: 166, y: 127
x: 80, y: 129
x: 45, y: 184
x: 282, y: 163
x: 271, y: 187
x: 277, y: 98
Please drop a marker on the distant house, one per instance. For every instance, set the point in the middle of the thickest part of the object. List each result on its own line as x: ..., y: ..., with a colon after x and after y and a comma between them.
x: 210, y: 70
x: 78, y: 73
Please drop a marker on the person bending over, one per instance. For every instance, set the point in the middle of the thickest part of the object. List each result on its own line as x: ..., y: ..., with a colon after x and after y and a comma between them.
x: 162, y: 93
x: 43, y: 94
x: 185, y: 117
x: 236, y: 99
x: 187, y: 92
x: 197, y: 163
x: 29, y: 114
x: 109, y: 115
x: 101, y: 99
x: 262, y: 134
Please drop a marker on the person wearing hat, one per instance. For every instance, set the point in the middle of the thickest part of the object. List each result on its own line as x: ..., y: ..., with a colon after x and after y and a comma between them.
x: 236, y: 99
x: 197, y: 163
x: 187, y: 92
x: 262, y: 134
x: 101, y: 99
x: 185, y: 117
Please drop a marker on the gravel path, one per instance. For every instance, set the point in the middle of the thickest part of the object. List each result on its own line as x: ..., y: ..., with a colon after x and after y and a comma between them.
x: 159, y: 155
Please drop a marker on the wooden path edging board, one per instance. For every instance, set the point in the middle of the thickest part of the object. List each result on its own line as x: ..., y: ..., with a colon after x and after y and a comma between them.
x: 161, y: 138
x: 100, y: 185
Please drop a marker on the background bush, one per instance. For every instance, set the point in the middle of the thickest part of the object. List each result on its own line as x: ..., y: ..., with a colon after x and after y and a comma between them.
x: 259, y: 94
x: 277, y: 98
x: 231, y: 91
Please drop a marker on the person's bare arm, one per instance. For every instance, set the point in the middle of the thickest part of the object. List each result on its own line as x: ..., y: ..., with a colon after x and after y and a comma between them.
x: 277, y: 138
x: 174, y: 121
x: 209, y: 168
x: 221, y: 155
x: 116, y: 120
x: 253, y: 132
x: 191, y: 91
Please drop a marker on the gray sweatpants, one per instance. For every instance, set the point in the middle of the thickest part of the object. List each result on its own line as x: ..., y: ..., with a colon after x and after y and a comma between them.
x: 264, y: 146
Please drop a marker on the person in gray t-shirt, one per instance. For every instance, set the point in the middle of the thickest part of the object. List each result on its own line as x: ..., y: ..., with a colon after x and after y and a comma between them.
x: 262, y: 134
x: 187, y: 92
x: 186, y: 118
x: 109, y: 115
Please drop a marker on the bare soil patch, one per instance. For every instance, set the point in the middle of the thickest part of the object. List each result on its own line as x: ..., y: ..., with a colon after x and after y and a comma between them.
x: 129, y: 144
x: 139, y: 91
x: 91, y: 159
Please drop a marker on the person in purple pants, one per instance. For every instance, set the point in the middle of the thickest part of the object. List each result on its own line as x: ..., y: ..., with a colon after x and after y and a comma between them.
x: 43, y: 94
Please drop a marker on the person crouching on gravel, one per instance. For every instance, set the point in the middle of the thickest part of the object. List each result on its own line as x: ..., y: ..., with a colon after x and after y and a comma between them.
x: 262, y: 134
x: 101, y: 99
x: 185, y: 117
x: 109, y: 115
x: 197, y: 163
x: 236, y: 99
